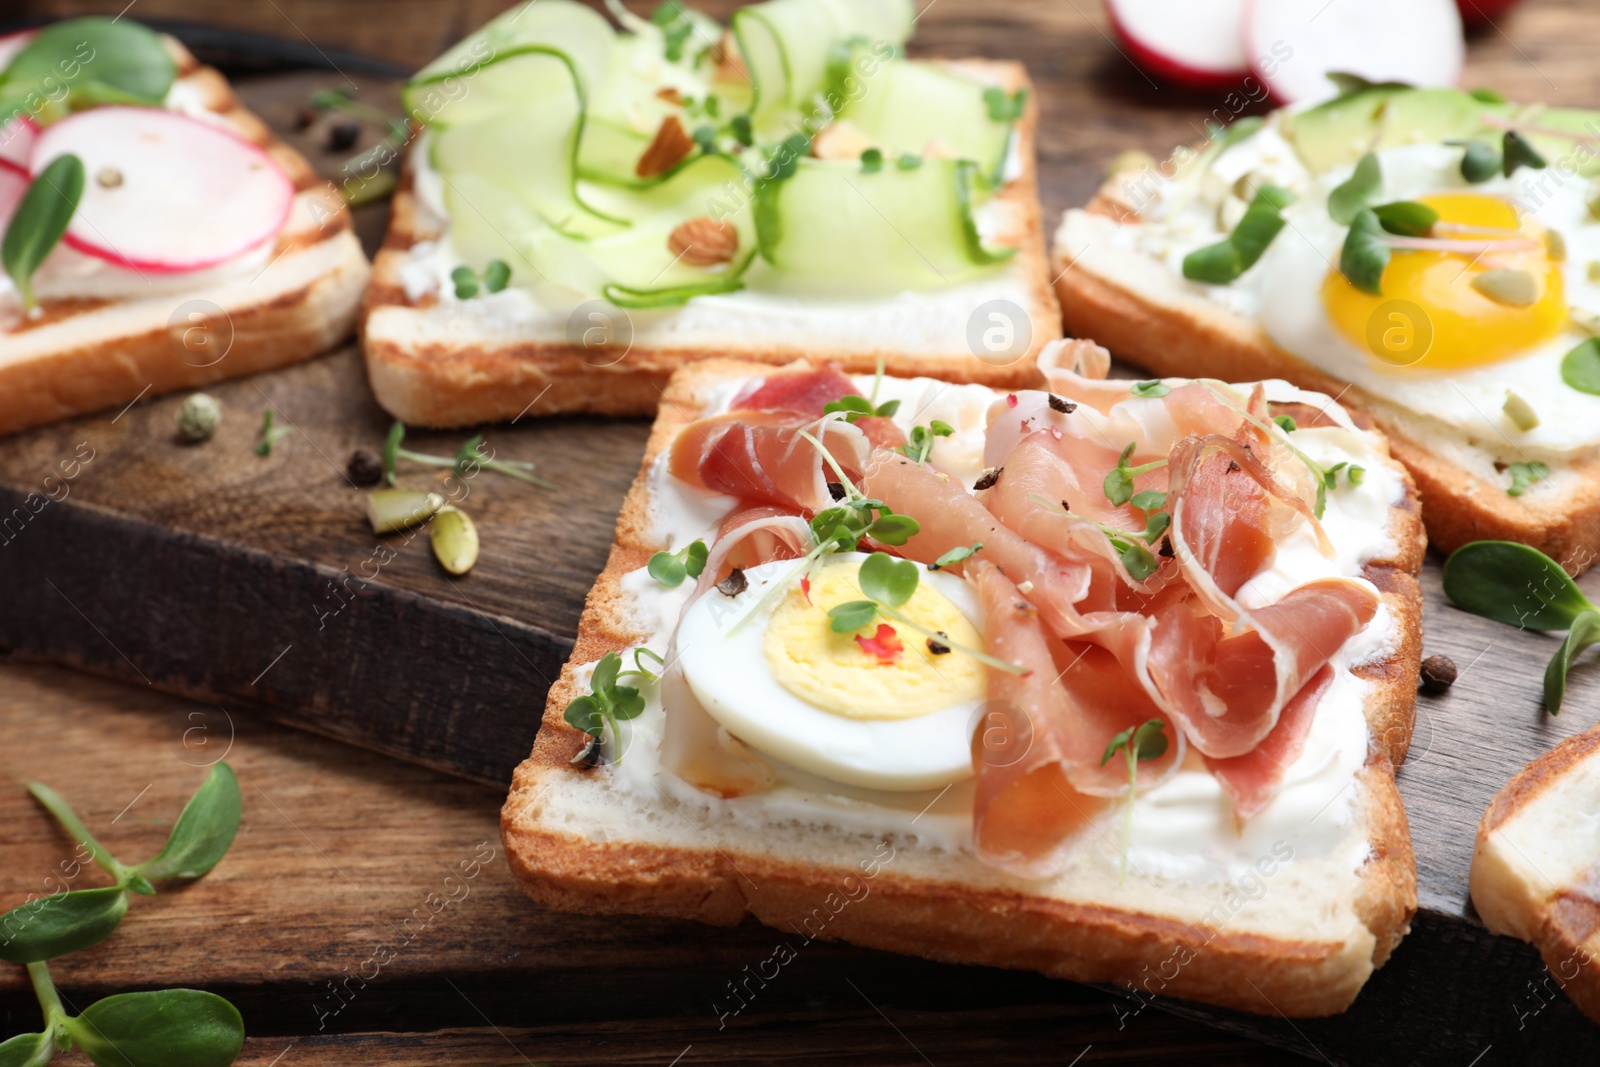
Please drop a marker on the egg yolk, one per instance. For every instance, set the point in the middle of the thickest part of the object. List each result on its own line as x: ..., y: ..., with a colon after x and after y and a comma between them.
x: 833, y: 672
x: 1430, y: 315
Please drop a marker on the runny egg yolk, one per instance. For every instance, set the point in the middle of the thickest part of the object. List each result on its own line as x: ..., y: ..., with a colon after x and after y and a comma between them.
x: 1459, y: 326
x: 833, y: 672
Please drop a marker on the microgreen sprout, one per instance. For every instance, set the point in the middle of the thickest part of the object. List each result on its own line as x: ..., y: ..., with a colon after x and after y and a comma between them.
x: 1286, y: 423
x: 854, y: 407
x: 1118, y: 484
x: 606, y: 704
x: 920, y: 445
x: 1003, y: 106
x: 1137, y: 744
x: 671, y: 568
x: 955, y: 555
x: 872, y: 161
x: 158, y: 1028
x: 1525, y: 474
x: 495, y: 277
x: 469, y: 458
x: 887, y: 584
x: 270, y: 434
x: 1133, y: 546
x: 1221, y: 263
x: 1150, y: 389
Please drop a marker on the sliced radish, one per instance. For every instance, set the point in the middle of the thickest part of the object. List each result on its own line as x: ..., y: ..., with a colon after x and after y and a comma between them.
x: 13, y: 183
x: 11, y: 44
x: 165, y: 192
x: 1415, y: 41
x: 1479, y: 12
x: 1198, y: 44
x: 16, y: 143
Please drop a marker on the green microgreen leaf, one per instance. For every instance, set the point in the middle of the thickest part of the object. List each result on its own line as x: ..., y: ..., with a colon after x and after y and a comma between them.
x: 852, y: 616
x: 1580, y: 368
x: 742, y: 130
x: 1513, y: 584
x: 892, y: 529
x: 1003, y: 106
x: 705, y: 137
x: 1150, y: 389
x: 1479, y: 160
x: 784, y: 158
x: 1138, y: 559
x: 919, y: 445
x: 67, y: 922
x: 162, y: 1028
x: 671, y: 568
x: 27, y: 1050
x: 1516, y: 152
x: 1354, y: 474
x: 585, y: 714
x: 852, y: 405
x: 1524, y: 475
x: 1356, y: 192
x: 497, y: 275
x: 955, y: 555
x: 675, y: 37
x: 1156, y: 525
x: 1286, y: 423
x: 1149, y: 500
x: 269, y: 435
x: 94, y: 60
x: 465, y: 280
x: 1224, y: 261
x: 204, y: 831
x: 1215, y: 264
x: 1118, y: 482
x: 871, y: 161
x: 1585, y: 631
x: 1406, y: 218
x: 908, y: 161
x: 1365, y: 253
x: 40, y: 219
x: 607, y: 701
x: 888, y: 580
x: 1485, y: 95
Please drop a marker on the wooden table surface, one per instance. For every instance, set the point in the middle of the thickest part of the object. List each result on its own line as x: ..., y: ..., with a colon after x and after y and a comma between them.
x: 340, y: 846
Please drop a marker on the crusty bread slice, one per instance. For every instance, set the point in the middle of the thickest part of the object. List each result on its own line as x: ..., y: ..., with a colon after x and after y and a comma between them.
x: 578, y: 842
x: 1535, y: 861
x: 1169, y: 330
x: 433, y: 368
x: 87, y: 355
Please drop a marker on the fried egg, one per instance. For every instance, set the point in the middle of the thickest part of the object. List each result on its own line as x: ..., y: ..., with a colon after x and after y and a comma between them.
x: 877, y: 709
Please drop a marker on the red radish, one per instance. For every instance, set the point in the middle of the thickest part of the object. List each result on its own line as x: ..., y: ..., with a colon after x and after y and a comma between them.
x: 16, y: 143
x: 166, y: 192
x: 1197, y: 44
x: 11, y: 44
x: 1416, y: 41
x: 13, y: 183
x: 1482, y: 12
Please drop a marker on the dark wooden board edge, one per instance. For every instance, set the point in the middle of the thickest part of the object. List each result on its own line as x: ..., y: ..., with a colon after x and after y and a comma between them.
x: 406, y: 675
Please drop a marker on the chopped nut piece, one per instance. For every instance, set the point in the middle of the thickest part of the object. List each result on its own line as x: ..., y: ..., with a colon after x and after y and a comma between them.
x: 1438, y: 674
x: 704, y: 241
x: 671, y: 146
x: 108, y: 177
x: 670, y: 95
x: 841, y: 140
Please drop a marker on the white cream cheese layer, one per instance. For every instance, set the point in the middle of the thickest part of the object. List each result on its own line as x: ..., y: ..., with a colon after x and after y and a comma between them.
x: 1183, y: 830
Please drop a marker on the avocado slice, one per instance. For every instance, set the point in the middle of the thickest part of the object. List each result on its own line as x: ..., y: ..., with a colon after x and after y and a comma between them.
x: 1338, y: 132
x: 1580, y: 156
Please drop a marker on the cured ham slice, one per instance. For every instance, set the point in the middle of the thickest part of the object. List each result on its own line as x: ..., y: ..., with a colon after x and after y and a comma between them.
x: 1252, y: 780
x: 1228, y: 691
x: 1103, y: 700
x: 1026, y: 814
x: 694, y: 746
x: 762, y: 458
x: 808, y: 393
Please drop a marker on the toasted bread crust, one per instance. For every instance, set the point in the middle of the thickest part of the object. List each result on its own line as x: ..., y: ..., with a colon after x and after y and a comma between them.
x: 1563, y: 923
x: 996, y: 927
x: 1460, y: 507
x: 484, y: 379
x: 88, y: 355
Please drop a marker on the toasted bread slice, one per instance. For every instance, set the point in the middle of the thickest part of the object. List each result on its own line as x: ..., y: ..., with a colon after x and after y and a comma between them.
x: 1535, y: 860
x: 583, y: 840
x: 301, y: 299
x: 442, y: 364
x: 1151, y: 318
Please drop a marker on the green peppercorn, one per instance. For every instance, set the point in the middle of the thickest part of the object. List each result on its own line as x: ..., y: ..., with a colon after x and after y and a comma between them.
x: 199, y: 417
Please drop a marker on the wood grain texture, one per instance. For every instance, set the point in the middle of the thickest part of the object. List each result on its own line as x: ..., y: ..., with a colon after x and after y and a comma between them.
x: 201, y: 564
x: 342, y: 854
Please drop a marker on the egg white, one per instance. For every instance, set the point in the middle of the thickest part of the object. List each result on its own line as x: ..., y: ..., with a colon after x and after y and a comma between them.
x: 725, y: 666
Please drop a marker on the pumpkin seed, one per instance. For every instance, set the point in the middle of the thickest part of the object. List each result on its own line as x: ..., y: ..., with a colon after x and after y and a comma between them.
x: 1132, y: 160
x: 1555, y: 245
x: 1512, y: 288
x: 455, y: 540
x: 1520, y: 412
x: 393, y: 510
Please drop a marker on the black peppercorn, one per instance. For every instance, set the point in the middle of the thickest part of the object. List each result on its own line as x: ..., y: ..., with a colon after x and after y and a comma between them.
x: 364, y: 468
x: 1438, y: 674
x: 342, y: 135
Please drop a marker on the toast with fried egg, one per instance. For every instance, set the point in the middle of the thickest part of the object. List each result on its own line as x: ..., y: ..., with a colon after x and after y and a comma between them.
x: 107, y: 333
x: 1534, y: 864
x: 877, y: 287
x: 1469, y: 382
x: 857, y: 842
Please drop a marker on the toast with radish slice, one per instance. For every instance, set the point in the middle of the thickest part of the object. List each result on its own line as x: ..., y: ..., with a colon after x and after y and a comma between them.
x: 709, y: 207
x: 717, y: 747
x: 1535, y: 860
x: 200, y: 248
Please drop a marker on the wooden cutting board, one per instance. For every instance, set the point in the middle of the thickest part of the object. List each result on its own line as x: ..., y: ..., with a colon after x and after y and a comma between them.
x: 254, y: 584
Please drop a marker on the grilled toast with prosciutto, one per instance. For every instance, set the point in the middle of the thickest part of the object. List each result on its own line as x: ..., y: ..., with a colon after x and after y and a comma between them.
x: 1534, y: 864
x: 1063, y: 759
x: 108, y: 333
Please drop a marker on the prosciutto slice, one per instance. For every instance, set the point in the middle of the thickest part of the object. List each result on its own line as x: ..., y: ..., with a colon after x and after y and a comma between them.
x: 808, y: 393
x: 1027, y: 816
x: 1252, y: 780
x: 1103, y: 699
x: 761, y: 457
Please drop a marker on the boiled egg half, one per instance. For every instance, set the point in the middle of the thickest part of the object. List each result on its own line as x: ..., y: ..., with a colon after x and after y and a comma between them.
x: 876, y: 708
